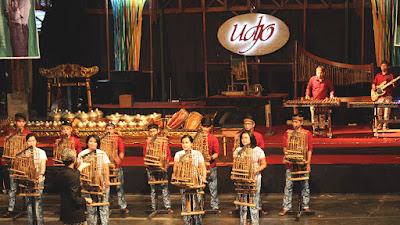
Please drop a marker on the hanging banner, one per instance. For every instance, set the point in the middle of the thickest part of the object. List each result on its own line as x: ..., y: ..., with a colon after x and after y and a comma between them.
x: 253, y: 34
x: 127, y: 33
x: 397, y: 27
x: 18, y: 33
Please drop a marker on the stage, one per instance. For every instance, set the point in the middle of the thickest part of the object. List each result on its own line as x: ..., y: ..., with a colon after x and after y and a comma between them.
x: 353, y: 161
x: 330, y: 209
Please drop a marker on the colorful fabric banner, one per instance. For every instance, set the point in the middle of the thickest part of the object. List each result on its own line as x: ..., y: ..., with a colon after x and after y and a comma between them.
x: 127, y: 33
x: 397, y: 26
x: 384, y: 14
x: 18, y: 33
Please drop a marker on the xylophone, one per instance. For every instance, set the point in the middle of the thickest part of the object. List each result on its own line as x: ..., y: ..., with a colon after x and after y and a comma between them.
x: 373, y: 104
x: 328, y: 102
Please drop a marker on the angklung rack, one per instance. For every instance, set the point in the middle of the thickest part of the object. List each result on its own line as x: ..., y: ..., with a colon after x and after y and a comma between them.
x: 243, y: 175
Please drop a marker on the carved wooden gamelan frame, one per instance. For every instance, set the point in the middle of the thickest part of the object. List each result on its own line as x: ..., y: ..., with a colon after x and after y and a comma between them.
x: 66, y: 71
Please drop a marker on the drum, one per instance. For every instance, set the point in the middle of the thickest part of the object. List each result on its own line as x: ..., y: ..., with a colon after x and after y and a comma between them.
x: 178, y: 119
x: 193, y: 121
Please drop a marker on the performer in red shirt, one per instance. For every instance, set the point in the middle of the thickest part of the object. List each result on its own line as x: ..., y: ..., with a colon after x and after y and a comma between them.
x: 66, y: 129
x: 213, y: 148
x: 20, y: 121
x: 298, y: 132
x: 387, y: 97
x: 110, y: 127
x: 154, y: 130
x: 319, y: 87
x: 249, y: 124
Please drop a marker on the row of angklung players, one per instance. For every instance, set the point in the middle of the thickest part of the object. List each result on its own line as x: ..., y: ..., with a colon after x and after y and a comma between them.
x: 74, y: 205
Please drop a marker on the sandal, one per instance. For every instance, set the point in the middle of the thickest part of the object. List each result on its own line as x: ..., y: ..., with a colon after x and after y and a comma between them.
x: 7, y: 214
x: 283, y: 213
x: 125, y: 211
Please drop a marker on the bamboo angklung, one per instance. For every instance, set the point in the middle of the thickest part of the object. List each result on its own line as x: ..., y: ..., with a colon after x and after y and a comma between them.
x: 200, y: 143
x: 109, y: 145
x: 243, y: 175
x: 156, y: 158
x: 92, y: 178
x: 13, y: 143
x: 59, y: 146
x: 24, y: 169
x: 296, y: 154
x: 188, y: 176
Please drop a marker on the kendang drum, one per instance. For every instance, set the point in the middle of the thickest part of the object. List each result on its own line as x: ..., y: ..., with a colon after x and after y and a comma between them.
x: 178, y: 119
x: 193, y: 121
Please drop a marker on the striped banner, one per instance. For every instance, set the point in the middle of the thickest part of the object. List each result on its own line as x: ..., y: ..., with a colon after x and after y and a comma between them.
x: 127, y: 33
x: 384, y: 14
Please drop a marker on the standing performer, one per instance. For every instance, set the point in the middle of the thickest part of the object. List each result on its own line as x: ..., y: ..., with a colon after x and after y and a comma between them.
x: 198, y: 170
x: 35, y: 203
x: 320, y: 88
x: 110, y: 128
x: 20, y: 120
x: 248, y: 125
x: 259, y: 163
x: 93, y: 143
x: 381, y: 77
x: 154, y: 132
x: 297, y: 140
x: 67, y: 140
x: 73, y: 204
x: 213, y: 148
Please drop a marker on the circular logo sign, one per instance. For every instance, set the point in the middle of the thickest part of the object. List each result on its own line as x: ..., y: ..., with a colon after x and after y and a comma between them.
x: 253, y: 34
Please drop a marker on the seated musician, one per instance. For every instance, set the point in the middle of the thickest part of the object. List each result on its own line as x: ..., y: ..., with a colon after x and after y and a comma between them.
x: 66, y: 130
x: 110, y: 127
x: 319, y: 87
x: 34, y: 204
x: 297, y: 122
x: 154, y: 130
x: 213, y: 148
x: 387, y: 97
x: 198, y: 160
x: 247, y: 138
x: 93, y: 144
x: 73, y: 204
x: 20, y: 121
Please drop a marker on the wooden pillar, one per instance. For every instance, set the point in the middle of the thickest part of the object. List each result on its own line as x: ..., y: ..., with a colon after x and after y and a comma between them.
x: 203, y: 8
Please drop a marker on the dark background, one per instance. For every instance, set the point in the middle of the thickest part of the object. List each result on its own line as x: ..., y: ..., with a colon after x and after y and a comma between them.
x: 72, y: 35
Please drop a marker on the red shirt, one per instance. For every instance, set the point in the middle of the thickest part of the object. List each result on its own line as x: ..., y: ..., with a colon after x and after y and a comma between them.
x: 24, y: 131
x: 213, y: 147
x: 309, y: 140
x: 77, y: 144
x: 259, y: 139
x: 121, y: 147
x: 145, y: 149
x: 379, y: 78
x: 319, y: 89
